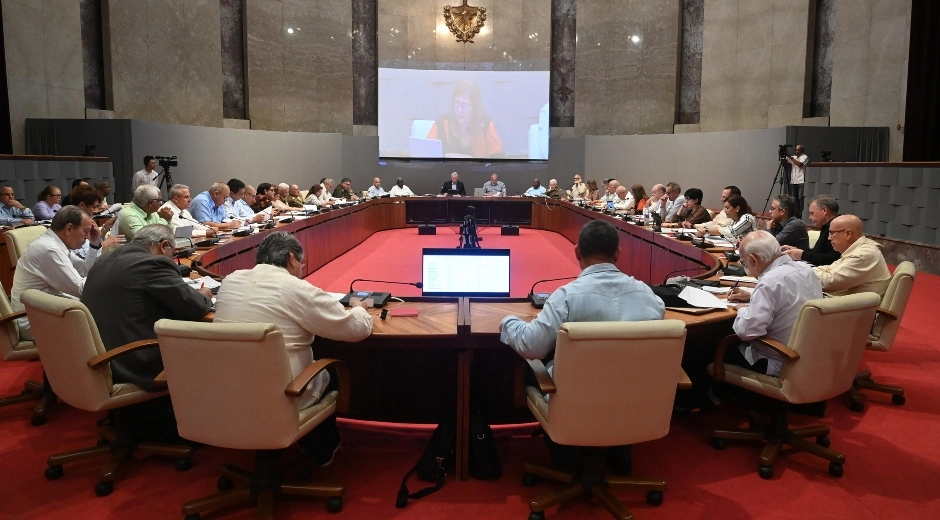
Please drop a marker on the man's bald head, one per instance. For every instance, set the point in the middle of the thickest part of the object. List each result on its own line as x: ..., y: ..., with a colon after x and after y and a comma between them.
x: 844, y: 231
x: 622, y: 192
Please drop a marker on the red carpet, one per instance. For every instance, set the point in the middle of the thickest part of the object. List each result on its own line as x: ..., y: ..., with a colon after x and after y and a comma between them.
x: 396, y: 256
x: 892, y: 469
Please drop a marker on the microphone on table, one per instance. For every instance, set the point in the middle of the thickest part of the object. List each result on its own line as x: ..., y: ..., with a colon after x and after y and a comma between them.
x: 379, y: 299
x: 666, y: 279
x: 669, y: 294
x: 538, y: 300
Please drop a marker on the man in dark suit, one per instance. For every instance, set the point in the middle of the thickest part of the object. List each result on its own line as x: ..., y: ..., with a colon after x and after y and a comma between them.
x: 130, y: 289
x: 454, y: 187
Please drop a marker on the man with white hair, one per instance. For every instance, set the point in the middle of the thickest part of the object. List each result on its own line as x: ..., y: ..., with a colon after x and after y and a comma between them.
x: 179, y: 205
x: 554, y: 192
x: 783, y: 286
x: 656, y: 199
x: 494, y: 188
x: 454, y: 186
x: 376, y: 190
x: 209, y: 207
x: 144, y: 209
x: 625, y: 200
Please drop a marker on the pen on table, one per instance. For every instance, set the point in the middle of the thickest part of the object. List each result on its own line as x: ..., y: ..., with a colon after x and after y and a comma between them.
x: 202, y: 285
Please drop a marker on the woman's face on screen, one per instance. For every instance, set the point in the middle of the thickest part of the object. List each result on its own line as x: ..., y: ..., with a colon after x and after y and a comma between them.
x: 463, y: 109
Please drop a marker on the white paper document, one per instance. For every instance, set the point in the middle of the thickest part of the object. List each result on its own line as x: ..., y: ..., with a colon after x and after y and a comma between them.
x: 745, y: 279
x: 699, y: 298
x: 205, y: 281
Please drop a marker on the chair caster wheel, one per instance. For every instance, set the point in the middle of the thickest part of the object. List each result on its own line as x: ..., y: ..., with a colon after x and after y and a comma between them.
x: 224, y: 484
x: 37, y: 420
x: 823, y: 441
x: 529, y: 480
x: 192, y: 517
x: 537, y: 515
x: 183, y: 463
x: 898, y: 399
x: 766, y: 472
x: 334, y: 504
x: 654, y: 498
x: 835, y: 469
x: 103, y: 489
x: 857, y: 406
x: 719, y: 444
x: 54, y: 472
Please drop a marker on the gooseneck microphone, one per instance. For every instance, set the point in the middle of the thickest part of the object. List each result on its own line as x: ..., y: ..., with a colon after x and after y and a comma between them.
x: 538, y: 301
x: 379, y: 299
x: 680, y: 271
x: 419, y: 285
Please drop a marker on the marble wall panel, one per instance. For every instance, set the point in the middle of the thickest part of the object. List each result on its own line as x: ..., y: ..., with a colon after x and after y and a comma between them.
x: 364, y: 62
x: 299, y: 65
x: 563, y: 52
x: 690, y: 62
x: 869, y: 78
x: 627, y: 58
x: 754, y: 64
x: 823, y: 43
x: 164, y: 60
x: 232, y: 30
x: 92, y: 54
x: 43, y: 45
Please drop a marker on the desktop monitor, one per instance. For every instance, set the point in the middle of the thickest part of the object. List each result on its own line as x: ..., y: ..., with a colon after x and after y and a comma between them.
x: 465, y: 272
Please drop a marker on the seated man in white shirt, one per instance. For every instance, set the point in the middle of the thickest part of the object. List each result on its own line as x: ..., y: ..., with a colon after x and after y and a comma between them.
x: 327, y: 194
x: 179, y: 204
x: 656, y: 199
x: 400, y: 190
x: 625, y: 202
x: 47, y: 264
x: 273, y: 291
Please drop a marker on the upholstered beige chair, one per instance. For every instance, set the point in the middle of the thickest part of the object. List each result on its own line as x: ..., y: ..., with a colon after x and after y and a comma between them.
x: 819, y: 362
x: 231, y: 387
x: 13, y: 348
x: 883, y: 331
x: 613, y: 384
x: 77, y: 366
x: 19, y: 239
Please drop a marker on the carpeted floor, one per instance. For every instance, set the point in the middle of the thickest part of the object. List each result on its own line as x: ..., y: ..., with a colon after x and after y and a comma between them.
x: 396, y: 256
x: 892, y: 469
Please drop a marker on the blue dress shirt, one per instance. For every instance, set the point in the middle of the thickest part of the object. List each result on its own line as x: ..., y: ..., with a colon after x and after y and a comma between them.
x: 535, y: 192
x: 204, y: 209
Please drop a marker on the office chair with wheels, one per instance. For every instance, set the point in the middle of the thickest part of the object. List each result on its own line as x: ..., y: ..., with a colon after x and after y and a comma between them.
x: 883, y: 331
x: 613, y: 384
x: 246, y: 402
x: 819, y: 363
x: 13, y: 348
x: 77, y: 364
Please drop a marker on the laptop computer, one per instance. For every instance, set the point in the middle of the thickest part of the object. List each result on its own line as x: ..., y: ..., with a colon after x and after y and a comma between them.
x: 184, y: 236
x: 477, y: 192
x: 431, y: 148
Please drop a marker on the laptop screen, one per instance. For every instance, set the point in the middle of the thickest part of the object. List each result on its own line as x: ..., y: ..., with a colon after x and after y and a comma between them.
x: 465, y: 272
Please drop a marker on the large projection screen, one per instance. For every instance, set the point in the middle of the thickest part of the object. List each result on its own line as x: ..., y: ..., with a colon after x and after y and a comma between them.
x: 443, y: 99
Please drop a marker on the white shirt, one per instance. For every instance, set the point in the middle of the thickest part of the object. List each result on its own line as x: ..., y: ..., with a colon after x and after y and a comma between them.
x: 375, y: 192
x: 404, y: 191
x: 48, y: 266
x: 182, y: 217
x: 670, y: 212
x: 142, y: 177
x: 625, y: 204
x: 270, y: 294
x: 781, y: 291
x: 798, y: 173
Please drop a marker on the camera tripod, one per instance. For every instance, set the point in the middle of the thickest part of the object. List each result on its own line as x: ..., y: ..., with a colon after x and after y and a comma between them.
x: 783, y: 178
x: 165, y: 177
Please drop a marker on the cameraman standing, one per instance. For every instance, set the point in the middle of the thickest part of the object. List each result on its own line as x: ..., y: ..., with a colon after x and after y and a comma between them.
x: 797, y: 178
x: 148, y: 175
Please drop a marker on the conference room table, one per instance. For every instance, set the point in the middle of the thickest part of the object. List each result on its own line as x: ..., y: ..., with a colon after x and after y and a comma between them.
x: 447, y: 362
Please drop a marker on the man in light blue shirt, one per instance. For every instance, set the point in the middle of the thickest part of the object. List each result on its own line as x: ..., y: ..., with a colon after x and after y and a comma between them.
x: 537, y: 190
x: 494, y: 188
x: 209, y: 207
x: 376, y: 189
x: 12, y: 213
x: 239, y: 200
x: 600, y: 293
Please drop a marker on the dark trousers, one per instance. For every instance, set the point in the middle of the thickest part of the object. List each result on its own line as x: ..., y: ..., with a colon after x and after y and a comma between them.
x: 319, y: 442
x: 796, y: 190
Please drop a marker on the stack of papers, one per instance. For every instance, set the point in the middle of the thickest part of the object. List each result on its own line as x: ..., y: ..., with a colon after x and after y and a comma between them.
x: 699, y: 298
x: 205, y: 281
x: 745, y: 279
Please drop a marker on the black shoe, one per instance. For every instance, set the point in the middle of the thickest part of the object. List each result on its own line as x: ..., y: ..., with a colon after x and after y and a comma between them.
x: 620, y: 460
x: 323, y: 455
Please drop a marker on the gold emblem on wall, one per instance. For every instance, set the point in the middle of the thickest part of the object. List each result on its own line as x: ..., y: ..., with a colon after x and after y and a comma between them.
x: 465, y: 21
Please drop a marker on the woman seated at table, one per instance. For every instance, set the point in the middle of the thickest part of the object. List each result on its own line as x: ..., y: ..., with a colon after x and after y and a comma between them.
x: 593, y: 194
x: 47, y: 203
x: 313, y: 196
x: 743, y: 219
x: 692, y: 211
x: 641, y: 198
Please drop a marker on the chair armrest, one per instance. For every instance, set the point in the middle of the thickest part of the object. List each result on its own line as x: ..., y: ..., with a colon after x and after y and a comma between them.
x: 719, y: 367
x: 99, y: 361
x: 785, y: 351
x: 546, y: 385
x: 10, y: 317
x: 884, y: 312
x: 159, y: 382
x: 684, y: 382
x: 297, y: 386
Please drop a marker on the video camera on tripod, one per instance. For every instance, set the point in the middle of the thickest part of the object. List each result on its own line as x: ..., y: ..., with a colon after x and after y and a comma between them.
x: 165, y: 177
x: 783, y: 151
x: 782, y: 177
x: 469, y: 239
